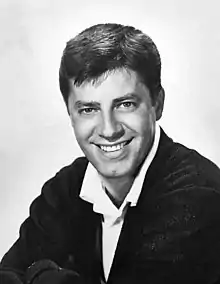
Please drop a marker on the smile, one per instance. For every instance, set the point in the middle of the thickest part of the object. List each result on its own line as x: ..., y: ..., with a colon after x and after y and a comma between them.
x: 113, y: 148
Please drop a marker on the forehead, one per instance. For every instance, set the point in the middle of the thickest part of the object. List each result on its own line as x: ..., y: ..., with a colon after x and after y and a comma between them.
x: 109, y: 87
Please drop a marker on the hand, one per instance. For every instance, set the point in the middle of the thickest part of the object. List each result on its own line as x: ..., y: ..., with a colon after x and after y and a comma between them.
x: 48, y: 272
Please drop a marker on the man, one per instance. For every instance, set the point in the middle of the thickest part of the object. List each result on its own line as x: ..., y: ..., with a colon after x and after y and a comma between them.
x: 138, y: 208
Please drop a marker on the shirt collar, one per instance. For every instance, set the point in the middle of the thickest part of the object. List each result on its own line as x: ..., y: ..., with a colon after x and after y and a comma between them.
x: 92, y: 190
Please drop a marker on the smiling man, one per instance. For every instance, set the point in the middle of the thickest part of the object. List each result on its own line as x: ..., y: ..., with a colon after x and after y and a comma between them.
x: 138, y: 208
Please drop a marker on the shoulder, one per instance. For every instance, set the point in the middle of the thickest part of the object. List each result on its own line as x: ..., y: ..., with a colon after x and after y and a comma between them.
x: 182, y: 182
x: 69, y: 178
x: 178, y: 165
x: 195, y: 180
x: 52, y: 211
x: 190, y: 166
x: 62, y: 191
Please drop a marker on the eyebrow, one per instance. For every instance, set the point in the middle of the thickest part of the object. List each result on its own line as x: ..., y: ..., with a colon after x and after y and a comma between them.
x: 80, y: 104
x: 130, y: 96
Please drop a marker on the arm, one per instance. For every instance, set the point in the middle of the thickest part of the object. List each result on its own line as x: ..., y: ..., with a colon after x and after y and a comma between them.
x: 47, y: 233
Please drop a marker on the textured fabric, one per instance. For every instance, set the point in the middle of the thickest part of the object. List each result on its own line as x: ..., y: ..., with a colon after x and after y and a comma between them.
x: 92, y: 191
x: 171, y: 236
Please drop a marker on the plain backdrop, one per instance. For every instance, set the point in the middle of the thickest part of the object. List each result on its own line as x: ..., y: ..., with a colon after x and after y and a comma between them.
x: 36, y: 138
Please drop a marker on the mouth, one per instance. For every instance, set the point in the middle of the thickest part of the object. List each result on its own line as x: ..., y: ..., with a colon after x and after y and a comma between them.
x: 115, y: 147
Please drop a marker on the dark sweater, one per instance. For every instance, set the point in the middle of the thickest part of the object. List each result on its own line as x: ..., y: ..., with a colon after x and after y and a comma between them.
x: 172, y: 236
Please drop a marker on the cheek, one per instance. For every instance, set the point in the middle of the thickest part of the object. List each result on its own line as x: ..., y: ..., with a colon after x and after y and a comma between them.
x: 141, y: 124
x: 131, y: 121
x: 83, y: 128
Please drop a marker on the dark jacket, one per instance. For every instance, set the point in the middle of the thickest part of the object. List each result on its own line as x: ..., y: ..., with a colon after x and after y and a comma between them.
x: 172, y: 236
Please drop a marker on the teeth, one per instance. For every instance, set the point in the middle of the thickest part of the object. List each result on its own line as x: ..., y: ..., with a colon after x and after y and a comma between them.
x: 113, y: 148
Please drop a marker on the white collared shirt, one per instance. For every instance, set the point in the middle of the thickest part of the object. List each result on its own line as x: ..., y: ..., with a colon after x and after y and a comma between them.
x: 113, y: 218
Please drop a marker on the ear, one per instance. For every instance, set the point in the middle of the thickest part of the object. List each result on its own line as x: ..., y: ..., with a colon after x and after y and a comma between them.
x: 159, y: 103
x: 70, y: 109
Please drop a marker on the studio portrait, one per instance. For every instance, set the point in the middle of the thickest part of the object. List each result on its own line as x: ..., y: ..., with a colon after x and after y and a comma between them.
x: 110, y: 161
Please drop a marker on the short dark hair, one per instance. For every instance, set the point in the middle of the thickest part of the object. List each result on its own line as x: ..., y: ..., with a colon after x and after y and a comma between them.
x: 104, y: 48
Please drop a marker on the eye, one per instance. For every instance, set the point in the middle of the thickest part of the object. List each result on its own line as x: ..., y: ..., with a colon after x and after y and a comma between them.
x: 127, y: 105
x: 88, y: 110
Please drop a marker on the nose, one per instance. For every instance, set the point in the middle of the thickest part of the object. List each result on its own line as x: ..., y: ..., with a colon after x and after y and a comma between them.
x: 110, y: 129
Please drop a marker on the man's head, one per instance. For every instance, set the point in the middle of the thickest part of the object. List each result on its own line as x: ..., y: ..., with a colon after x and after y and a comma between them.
x: 103, y: 48
x: 110, y: 82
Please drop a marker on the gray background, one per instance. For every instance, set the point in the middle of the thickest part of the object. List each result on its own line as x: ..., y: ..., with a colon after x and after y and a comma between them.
x: 36, y: 138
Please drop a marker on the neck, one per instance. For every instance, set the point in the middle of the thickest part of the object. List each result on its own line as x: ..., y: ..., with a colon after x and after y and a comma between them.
x: 117, y: 189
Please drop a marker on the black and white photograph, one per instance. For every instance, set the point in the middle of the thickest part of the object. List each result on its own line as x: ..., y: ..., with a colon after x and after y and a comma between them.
x: 109, y: 142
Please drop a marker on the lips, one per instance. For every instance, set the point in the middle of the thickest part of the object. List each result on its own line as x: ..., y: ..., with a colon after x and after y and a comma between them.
x: 113, y: 148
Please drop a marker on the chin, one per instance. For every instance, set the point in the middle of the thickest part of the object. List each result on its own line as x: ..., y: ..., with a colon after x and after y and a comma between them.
x: 112, y: 171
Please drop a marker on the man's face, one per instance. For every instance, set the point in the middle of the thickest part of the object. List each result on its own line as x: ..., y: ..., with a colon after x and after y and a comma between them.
x: 114, y: 122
